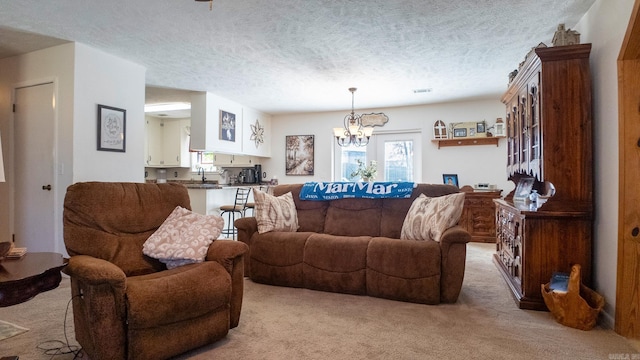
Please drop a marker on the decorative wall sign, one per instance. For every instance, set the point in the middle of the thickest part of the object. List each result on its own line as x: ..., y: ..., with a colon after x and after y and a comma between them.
x: 299, y: 155
x: 374, y: 119
x: 111, y: 128
x: 257, y: 133
x: 227, y: 126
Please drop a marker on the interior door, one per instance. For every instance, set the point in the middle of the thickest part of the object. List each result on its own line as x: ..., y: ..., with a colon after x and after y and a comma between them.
x: 34, y: 167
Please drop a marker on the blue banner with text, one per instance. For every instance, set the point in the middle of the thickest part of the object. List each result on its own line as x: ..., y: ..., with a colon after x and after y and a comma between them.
x: 322, y: 191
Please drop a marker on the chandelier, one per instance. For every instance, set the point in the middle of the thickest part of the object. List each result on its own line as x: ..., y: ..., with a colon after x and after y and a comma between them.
x: 353, y: 133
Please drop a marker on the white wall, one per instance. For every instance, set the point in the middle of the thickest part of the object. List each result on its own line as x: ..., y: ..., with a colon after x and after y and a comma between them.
x: 83, y: 78
x: 104, y: 79
x: 605, y: 26
x: 473, y: 164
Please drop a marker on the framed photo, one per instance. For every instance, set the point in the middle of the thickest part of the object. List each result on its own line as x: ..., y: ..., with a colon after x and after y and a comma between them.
x: 227, y: 126
x: 472, y: 131
x: 460, y: 132
x: 299, y: 155
x: 111, y: 128
x: 450, y: 179
x: 480, y: 127
x: 523, y: 189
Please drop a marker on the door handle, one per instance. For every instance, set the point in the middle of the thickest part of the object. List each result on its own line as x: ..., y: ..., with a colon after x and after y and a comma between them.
x: 47, y: 187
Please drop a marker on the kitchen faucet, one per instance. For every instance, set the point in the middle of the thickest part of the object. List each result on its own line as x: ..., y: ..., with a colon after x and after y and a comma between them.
x: 203, y: 178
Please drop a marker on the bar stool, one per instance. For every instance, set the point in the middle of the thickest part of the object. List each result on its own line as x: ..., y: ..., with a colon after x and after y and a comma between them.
x: 239, y: 207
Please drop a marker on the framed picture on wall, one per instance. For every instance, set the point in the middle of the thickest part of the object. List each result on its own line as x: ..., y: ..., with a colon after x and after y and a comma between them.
x: 227, y: 126
x: 111, y: 128
x: 299, y: 155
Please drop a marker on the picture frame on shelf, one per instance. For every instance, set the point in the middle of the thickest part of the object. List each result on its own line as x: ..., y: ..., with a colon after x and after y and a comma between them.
x: 299, y: 155
x: 460, y: 132
x: 450, y: 179
x: 523, y: 189
x: 481, y: 127
x: 112, y: 123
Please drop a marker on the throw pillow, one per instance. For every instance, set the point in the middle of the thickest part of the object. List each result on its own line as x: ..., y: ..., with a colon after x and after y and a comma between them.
x: 183, y: 238
x: 429, y: 217
x: 275, y: 213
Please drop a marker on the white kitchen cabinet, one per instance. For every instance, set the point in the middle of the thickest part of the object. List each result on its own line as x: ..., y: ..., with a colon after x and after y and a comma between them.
x: 223, y: 160
x: 228, y: 160
x: 154, y: 138
x: 168, y: 142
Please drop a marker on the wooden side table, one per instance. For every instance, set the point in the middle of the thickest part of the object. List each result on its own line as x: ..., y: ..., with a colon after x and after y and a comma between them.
x: 479, y: 214
x: 22, y: 279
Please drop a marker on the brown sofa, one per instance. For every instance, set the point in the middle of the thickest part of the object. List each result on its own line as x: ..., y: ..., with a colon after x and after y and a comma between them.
x: 353, y: 246
x: 127, y: 305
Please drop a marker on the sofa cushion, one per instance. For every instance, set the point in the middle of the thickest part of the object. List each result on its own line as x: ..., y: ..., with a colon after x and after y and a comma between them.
x: 311, y: 214
x: 336, y: 263
x: 183, y: 238
x: 341, y: 214
x: 276, y: 257
x: 275, y: 213
x: 429, y: 217
x: 171, y: 296
x: 404, y: 270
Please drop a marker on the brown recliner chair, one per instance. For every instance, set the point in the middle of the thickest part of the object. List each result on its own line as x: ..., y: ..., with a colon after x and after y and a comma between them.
x: 127, y: 305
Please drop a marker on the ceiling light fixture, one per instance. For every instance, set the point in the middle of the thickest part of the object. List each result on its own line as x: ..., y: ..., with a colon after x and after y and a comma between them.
x: 210, y: 3
x: 353, y: 131
x: 166, y: 107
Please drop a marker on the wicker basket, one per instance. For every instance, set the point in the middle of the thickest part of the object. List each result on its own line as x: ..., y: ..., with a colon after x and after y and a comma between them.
x: 578, y: 307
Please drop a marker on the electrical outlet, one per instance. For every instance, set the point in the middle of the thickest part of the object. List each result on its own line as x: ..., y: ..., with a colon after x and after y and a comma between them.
x: 175, y: 174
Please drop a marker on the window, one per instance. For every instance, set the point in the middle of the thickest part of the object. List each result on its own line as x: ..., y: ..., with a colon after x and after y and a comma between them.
x: 398, y: 155
x: 202, y: 160
x: 398, y: 160
x: 349, y: 164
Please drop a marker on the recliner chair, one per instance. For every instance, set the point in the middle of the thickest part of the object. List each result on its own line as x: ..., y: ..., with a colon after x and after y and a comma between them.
x: 127, y: 305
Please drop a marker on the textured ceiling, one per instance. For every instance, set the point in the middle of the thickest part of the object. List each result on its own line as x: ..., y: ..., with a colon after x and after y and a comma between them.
x: 282, y: 56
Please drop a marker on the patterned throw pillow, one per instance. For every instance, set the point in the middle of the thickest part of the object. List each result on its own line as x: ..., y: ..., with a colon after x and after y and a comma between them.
x: 275, y: 213
x: 183, y: 238
x: 429, y: 217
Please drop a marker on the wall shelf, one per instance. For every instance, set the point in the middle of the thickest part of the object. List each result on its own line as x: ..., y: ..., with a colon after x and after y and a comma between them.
x: 467, y: 141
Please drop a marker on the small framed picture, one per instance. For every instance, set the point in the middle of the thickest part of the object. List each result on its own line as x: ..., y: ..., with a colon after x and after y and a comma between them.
x: 472, y: 131
x: 111, y: 128
x: 227, y: 126
x: 459, y: 132
x: 450, y: 179
x: 523, y: 189
x: 480, y: 127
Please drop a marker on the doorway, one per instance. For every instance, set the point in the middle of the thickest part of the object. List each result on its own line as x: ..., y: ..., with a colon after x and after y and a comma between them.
x: 34, y: 159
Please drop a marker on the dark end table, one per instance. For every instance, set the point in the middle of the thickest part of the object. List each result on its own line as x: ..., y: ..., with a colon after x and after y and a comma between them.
x: 22, y: 279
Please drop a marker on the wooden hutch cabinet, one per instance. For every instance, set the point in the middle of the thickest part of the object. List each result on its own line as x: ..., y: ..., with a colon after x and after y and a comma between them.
x: 549, y: 138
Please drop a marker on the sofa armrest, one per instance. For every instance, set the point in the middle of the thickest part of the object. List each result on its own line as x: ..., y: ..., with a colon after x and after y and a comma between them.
x: 99, y: 307
x: 453, y: 245
x: 94, y: 271
x: 230, y: 254
x: 246, y: 226
x: 455, y: 234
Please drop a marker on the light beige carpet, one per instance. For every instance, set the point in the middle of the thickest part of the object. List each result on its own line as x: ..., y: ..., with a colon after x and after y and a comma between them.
x: 286, y: 323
